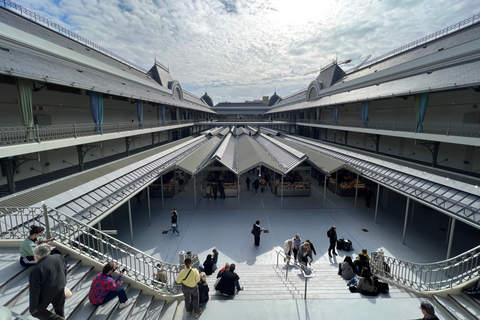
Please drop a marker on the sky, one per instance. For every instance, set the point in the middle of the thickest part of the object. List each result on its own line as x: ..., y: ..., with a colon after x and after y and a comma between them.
x: 238, y: 50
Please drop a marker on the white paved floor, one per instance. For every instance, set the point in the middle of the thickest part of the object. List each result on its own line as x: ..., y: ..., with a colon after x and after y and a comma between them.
x: 226, y: 224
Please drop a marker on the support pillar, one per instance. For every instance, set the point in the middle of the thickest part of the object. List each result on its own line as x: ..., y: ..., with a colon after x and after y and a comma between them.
x: 161, y: 187
x: 406, y: 220
x: 281, y: 195
x: 7, y: 168
x: 450, y: 240
x: 149, y: 207
x: 376, y: 202
x: 80, y: 157
x: 130, y: 220
x: 195, y: 192
x: 325, y: 190
x: 356, y: 192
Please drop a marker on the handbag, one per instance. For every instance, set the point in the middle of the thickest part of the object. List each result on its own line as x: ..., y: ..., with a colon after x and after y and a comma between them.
x: 174, y: 225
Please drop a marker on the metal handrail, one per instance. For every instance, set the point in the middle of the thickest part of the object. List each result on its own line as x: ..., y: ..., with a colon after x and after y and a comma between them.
x: 21, y: 135
x: 428, y: 277
x: 90, y: 242
x: 54, y: 26
x: 443, y: 128
x: 457, y: 26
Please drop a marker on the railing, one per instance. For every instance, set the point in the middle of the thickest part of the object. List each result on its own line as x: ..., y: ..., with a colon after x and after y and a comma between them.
x: 89, y: 242
x: 454, y: 27
x: 21, y: 135
x: 428, y: 277
x: 443, y: 128
x: 52, y: 25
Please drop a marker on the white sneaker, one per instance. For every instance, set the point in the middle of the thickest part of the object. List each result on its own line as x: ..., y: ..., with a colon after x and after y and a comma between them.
x: 123, y: 305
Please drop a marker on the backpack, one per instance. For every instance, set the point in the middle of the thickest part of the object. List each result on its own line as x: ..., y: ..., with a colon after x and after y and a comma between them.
x: 340, y: 245
x: 347, y: 245
x: 381, y: 287
x: 329, y: 232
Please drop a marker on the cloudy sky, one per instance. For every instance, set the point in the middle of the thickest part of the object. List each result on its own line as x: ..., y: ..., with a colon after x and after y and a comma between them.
x: 244, y: 49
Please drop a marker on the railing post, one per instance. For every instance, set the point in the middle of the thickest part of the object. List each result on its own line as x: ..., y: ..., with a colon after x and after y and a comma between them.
x: 47, y: 223
x: 448, y: 128
x: 118, y: 127
x: 38, y: 133
x: 306, y: 280
x: 75, y: 130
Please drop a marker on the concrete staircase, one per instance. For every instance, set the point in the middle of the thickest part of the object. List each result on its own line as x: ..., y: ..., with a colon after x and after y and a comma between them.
x: 263, y: 284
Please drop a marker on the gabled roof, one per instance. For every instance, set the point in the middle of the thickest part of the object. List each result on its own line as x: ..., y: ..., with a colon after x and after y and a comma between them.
x: 160, y: 74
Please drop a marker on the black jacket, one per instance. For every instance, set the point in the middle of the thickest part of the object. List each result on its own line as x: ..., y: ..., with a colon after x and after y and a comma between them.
x: 203, y: 292
x: 227, y: 282
x: 333, y: 235
x: 208, y: 267
x: 47, y: 278
x: 256, y: 231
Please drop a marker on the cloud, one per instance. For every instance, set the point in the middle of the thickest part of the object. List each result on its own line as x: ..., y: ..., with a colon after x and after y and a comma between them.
x: 244, y: 49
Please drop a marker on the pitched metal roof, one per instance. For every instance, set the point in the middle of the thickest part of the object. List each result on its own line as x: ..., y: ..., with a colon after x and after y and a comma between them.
x: 452, y: 197
x: 196, y: 160
x: 322, y: 162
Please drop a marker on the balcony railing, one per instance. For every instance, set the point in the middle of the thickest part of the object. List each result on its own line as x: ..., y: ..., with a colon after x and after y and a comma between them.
x: 428, y: 277
x: 442, y: 128
x: 90, y: 242
x: 21, y: 135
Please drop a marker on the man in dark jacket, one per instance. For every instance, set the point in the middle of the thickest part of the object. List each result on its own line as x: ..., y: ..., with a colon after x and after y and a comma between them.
x: 47, y: 284
x: 256, y: 231
x: 228, y: 282
x: 332, y: 235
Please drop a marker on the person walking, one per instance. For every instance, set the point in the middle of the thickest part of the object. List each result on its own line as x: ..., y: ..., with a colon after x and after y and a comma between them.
x: 304, y: 254
x: 174, y: 220
x: 256, y: 184
x: 104, y: 288
x: 47, y: 284
x: 288, y: 249
x: 221, y: 189
x: 368, y: 196
x: 263, y: 183
x: 189, y: 278
x: 311, y: 248
x: 297, y: 242
x: 256, y: 231
x: 248, y: 183
x: 332, y: 235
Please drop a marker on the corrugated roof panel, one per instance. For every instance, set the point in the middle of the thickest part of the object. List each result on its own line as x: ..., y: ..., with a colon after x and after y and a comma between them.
x: 283, y: 158
x: 321, y: 161
x: 192, y: 162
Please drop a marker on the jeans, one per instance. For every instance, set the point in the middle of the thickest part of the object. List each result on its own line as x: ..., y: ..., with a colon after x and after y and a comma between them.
x: 237, y: 285
x: 120, y: 292
x: 353, y: 281
x: 174, y: 229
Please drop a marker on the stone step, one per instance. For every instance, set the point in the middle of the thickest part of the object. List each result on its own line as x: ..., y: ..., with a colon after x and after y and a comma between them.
x: 155, y: 310
x: 467, y: 304
x: 141, y: 307
x: 453, y: 309
x: 124, y: 314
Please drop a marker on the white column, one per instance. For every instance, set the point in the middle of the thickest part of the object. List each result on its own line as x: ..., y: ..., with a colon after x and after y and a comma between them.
x: 149, y: 207
x: 450, y: 240
x: 376, y: 202
x: 130, y: 219
x: 406, y: 220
